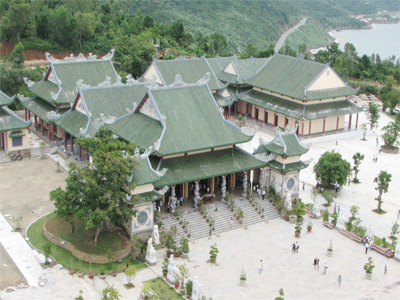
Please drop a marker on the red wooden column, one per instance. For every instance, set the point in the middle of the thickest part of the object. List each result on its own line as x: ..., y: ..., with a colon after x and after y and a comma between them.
x: 265, y: 116
x: 52, y: 133
x: 80, y: 151
x: 323, y: 127
x: 65, y: 139
x: 71, y: 140
x: 337, y: 124
x: 229, y: 112
x: 87, y: 154
x: 35, y: 122
x: 29, y: 114
x: 284, y: 126
x: 350, y: 121
x: 356, y: 120
x: 302, y: 128
x: 309, y: 128
x: 41, y: 126
x: 26, y: 114
x: 275, y: 119
x: 246, y: 108
x: 48, y: 130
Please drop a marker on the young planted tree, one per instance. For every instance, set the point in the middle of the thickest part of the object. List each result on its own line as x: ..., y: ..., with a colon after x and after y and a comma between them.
x: 357, y: 158
x: 97, y: 195
x: 372, y: 114
x: 332, y: 169
x: 110, y: 293
x: 391, y: 135
x: 382, y: 181
x: 364, y: 130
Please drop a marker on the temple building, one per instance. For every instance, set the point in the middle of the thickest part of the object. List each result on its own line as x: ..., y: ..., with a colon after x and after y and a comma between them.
x: 294, y: 93
x: 190, y: 146
x: 14, y: 131
x: 57, y: 91
x: 283, y: 156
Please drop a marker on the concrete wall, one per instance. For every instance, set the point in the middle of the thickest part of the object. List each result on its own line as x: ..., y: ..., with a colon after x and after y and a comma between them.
x: 327, y: 80
x: 142, y: 189
x: 8, y: 140
x: 230, y: 69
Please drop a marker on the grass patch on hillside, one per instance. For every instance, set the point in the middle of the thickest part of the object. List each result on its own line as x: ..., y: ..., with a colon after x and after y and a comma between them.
x: 65, y: 258
x: 163, y: 290
x: 311, y: 34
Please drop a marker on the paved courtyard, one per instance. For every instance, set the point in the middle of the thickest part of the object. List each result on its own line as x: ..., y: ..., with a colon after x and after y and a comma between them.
x: 27, y: 183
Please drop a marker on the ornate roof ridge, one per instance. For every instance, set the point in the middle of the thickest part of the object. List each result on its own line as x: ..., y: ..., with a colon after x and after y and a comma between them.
x: 79, y: 58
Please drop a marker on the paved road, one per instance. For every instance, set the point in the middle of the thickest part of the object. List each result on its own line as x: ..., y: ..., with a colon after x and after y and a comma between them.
x: 286, y: 33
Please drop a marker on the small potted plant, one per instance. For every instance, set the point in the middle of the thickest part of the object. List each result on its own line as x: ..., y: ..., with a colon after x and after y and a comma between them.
x: 114, y: 273
x: 330, y: 249
x: 213, y: 253
x: 184, y: 273
x: 242, y: 277
x: 165, y: 267
x: 91, y: 274
x: 298, y: 228
x: 369, y: 267
x: 189, y: 289
x: 309, y: 226
x: 185, y: 247
x: 102, y: 275
x: 177, y: 281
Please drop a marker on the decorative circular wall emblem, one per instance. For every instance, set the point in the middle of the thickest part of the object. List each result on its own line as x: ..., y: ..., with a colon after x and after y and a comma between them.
x: 143, y: 218
x: 291, y: 184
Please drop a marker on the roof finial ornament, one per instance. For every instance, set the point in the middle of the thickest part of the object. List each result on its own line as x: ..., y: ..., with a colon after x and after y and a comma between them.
x: 50, y: 58
x: 109, y: 55
x: 23, y: 98
x: 118, y: 80
x: 137, y: 152
x: 150, y: 83
x: 147, y: 152
x: 162, y: 191
x: 130, y: 79
x: 70, y: 57
x: 52, y: 115
x: 55, y: 96
x: 28, y: 82
x: 80, y: 84
x: 204, y: 80
x: 80, y: 57
x: 157, y: 144
x: 91, y: 56
x: 178, y: 81
x: 265, y: 158
x: 107, y: 119
x: 162, y: 172
x: 106, y: 82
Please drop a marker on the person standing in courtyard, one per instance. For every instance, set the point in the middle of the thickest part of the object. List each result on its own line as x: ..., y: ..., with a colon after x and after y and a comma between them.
x: 263, y: 194
x: 209, y: 235
x: 315, y: 263
x: 385, y: 270
x: 260, y: 268
x: 231, y: 223
x: 294, y: 248
x: 338, y: 211
x: 304, y: 185
x: 318, y: 263
x: 297, y: 247
x: 325, y: 267
x: 339, y: 280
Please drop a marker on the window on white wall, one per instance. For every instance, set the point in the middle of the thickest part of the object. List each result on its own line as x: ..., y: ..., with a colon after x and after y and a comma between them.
x: 17, y: 141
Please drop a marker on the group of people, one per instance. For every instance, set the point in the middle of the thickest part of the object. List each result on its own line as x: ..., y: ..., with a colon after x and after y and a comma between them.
x: 295, y: 247
x: 260, y: 192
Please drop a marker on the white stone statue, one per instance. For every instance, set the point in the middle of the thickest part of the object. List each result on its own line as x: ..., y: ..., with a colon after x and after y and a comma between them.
x: 288, y: 202
x: 340, y: 223
x: 317, y: 208
x: 172, y: 270
x: 223, y: 186
x: 197, y: 197
x: 155, y: 235
x: 196, y: 291
x: 151, y: 253
x: 244, y: 194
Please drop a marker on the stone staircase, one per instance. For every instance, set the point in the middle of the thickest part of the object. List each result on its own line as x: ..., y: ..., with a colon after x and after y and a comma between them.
x: 222, y: 216
x: 48, y: 149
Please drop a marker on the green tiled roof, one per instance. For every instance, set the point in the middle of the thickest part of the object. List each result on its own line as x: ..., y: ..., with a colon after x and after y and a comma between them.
x: 72, y: 122
x: 287, y: 168
x: 143, y: 172
x: 146, y: 197
x: 44, y: 88
x: 331, y: 93
x: 297, y: 110
x: 330, y: 109
x: 276, y: 104
x: 137, y: 128
x: 5, y: 100
x: 39, y: 107
x: 92, y: 72
x: 219, y: 63
x: 287, y: 75
x: 284, y: 144
x: 9, y: 120
x: 245, y: 68
x: 205, y: 165
x: 191, y: 70
x: 223, y: 101
x: 193, y: 121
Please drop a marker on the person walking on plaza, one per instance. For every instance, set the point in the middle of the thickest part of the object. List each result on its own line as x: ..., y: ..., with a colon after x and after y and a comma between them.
x: 315, y: 263
x: 263, y: 194
x: 231, y: 223
x: 297, y: 247
x: 339, y: 280
x: 318, y: 263
x: 209, y: 235
x: 385, y: 270
x: 294, y: 248
x: 260, y: 268
x: 334, y: 209
x: 304, y: 185
x: 325, y: 267
x: 338, y: 211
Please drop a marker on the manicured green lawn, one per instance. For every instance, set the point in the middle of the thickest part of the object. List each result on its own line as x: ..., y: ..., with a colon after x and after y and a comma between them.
x: 163, y: 290
x: 65, y: 258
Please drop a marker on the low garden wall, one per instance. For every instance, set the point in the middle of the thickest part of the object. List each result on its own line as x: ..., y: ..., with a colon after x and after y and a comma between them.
x: 88, y: 257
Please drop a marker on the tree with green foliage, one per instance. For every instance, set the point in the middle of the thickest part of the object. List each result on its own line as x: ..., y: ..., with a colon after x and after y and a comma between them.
x: 17, y: 56
x: 129, y: 273
x: 372, y: 114
x: 382, y: 181
x: 281, y: 294
x: 110, y: 293
x: 96, y: 195
x: 218, y: 42
x: 332, y: 169
x: 251, y: 50
x: 391, y: 134
x: 357, y: 158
